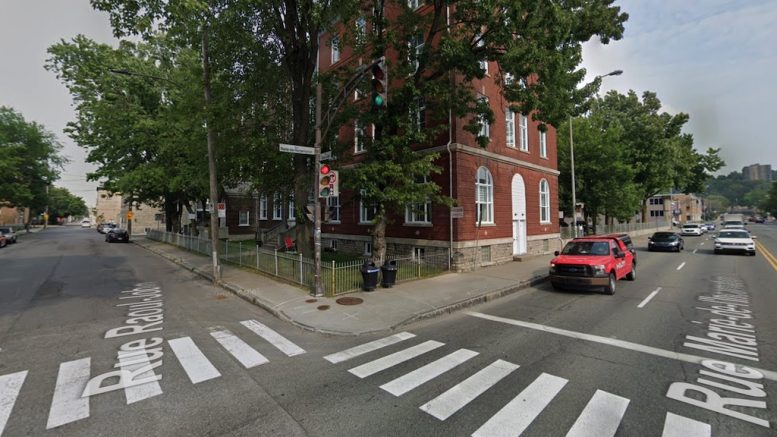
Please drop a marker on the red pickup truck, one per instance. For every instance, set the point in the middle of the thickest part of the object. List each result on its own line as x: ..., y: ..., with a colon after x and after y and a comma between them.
x: 592, y: 262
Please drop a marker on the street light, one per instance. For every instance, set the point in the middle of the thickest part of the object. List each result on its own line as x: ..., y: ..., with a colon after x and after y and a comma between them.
x: 572, y: 160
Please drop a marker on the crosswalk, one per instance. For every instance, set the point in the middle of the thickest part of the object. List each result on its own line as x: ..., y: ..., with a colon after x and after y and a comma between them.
x: 70, y: 401
x: 601, y: 417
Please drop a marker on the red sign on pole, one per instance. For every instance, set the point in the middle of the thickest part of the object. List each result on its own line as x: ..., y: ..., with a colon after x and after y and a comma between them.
x: 222, y: 209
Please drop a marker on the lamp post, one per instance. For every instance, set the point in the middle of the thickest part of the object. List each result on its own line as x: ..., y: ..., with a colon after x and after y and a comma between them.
x: 572, y: 160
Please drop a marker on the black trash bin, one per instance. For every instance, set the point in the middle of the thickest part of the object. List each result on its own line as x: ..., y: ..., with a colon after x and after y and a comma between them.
x: 388, y: 274
x: 369, y: 275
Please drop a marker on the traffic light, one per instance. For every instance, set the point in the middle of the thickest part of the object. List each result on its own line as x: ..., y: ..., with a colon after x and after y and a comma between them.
x: 328, y: 183
x: 379, y: 84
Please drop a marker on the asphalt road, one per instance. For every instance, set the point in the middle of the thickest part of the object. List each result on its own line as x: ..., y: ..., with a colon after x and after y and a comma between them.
x: 643, y: 362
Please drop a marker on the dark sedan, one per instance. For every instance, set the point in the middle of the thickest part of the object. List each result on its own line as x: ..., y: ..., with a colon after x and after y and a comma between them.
x: 666, y: 241
x: 117, y: 234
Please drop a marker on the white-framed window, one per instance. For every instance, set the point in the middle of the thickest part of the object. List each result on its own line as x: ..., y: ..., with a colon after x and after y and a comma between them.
x: 544, y: 201
x: 510, y: 128
x: 508, y: 78
x: 543, y: 144
x: 335, y: 50
x: 419, y: 253
x: 414, y: 4
x: 420, y: 113
x: 263, y: 207
x: 359, y: 145
x: 243, y: 218
x: 367, y: 248
x: 484, y: 196
x: 416, y: 46
x: 416, y: 213
x: 361, y: 30
x: 333, y: 244
x: 277, y: 207
x: 366, y: 211
x: 523, y: 126
x: 333, y: 203
x: 485, y: 128
x: 484, y: 62
x: 292, y: 216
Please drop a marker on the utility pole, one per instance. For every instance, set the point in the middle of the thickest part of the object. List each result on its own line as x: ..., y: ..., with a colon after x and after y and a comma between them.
x: 318, y: 289
x: 214, y: 193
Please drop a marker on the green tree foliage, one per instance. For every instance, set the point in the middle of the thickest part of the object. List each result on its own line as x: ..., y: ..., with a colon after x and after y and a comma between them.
x: 770, y: 203
x: 739, y: 191
x: 62, y: 203
x: 716, y: 205
x: 29, y: 161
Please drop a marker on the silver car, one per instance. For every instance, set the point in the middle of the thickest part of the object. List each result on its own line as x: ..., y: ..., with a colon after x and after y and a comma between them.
x: 10, y: 235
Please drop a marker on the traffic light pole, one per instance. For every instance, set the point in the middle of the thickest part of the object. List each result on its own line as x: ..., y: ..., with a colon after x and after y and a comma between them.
x: 318, y: 288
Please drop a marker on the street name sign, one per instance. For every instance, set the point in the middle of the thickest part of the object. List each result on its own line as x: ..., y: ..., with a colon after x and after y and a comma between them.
x: 291, y: 148
x: 457, y: 212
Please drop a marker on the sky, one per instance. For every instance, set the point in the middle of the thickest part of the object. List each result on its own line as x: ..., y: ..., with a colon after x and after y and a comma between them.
x: 715, y: 60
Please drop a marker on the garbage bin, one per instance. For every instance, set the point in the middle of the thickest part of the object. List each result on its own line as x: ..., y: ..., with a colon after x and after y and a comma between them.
x: 388, y: 274
x: 369, y: 275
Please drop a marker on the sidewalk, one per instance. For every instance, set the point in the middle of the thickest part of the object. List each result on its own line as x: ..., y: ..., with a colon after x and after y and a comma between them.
x: 381, y: 310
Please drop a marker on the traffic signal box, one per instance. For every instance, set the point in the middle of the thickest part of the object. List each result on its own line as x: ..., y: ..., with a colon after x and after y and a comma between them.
x: 379, y: 84
x: 328, y: 182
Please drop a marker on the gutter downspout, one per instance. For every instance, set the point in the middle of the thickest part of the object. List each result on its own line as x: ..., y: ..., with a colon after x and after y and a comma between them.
x: 450, y: 157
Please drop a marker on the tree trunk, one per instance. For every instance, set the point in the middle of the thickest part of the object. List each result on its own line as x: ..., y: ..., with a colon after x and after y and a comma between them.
x: 303, y: 231
x: 379, y: 240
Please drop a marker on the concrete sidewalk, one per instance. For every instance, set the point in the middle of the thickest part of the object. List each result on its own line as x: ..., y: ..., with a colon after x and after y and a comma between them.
x: 381, y: 310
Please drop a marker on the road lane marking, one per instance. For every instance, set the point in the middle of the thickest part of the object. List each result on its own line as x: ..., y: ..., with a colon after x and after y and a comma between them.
x: 245, y: 354
x: 424, y: 374
x: 67, y: 404
x: 601, y: 416
x: 367, y: 347
x: 688, y: 358
x: 771, y: 259
x: 650, y: 296
x: 520, y: 412
x: 695, y: 250
x: 277, y: 340
x: 134, y: 362
x: 193, y: 361
x: 458, y: 396
x: 10, y: 385
x: 679, y: 426
x: 681, y: 266
x: 380, y: 364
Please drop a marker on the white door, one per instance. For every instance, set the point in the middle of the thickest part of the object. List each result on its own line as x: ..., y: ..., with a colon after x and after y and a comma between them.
x: 519, y: 215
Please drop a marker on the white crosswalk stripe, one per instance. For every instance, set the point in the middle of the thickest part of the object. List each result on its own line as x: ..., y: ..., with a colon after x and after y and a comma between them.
x: 133, y: 362
x: 10, y: 385
x: 367, y: 347
x: 520, y: 412
x: 601, y: 416
x: 193, y: 361
x: 380, y: 364
x: 411, y: 380
x: 68, y: 404
x: 245, y: 354
x: 679, y: 426
x: 277, y: 340
x: 456, y: 398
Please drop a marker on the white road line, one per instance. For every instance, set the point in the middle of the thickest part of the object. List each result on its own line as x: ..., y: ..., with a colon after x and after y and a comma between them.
x: 520, y: 412
x: 380, y: 364
x: 701, y: 244
x: 601, y: 417
x: 133, y: 362
x: 695, y: 250
x: 245, y: 354
x: 424, y: 374
x: 367, y: 347
x: 277, y: 340
x: 67, y: 404
x: 458, y: 396
x: 650, y: 296
x: 688, y: 358
x: 193, y: 361
x: 10, y: 385
x: 679, y: 426
x: 681, y: 266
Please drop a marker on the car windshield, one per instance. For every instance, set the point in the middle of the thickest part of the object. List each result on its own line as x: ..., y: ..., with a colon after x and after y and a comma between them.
x: 599, y: 248
x: 690, y: 226
x: 734, y: 234
x: 6, y: 230
x: 664, y: 236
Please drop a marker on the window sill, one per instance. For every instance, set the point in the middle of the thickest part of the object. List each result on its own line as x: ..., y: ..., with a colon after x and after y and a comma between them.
x: 359, y: 152
x: 333, y: 222
x: 418, y: 224
x: 243, y: 225
x: 483, y: 225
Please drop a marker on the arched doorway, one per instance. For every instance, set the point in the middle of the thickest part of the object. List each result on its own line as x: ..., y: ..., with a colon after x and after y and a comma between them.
x: 519, y: 215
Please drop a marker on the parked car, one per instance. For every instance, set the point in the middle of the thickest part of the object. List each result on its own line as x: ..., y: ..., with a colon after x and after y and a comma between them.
x: 592, y: 262
x: 3, y: 241
x: 710, y: 226
x: 733, y: 224
x: 116, y: 234
x: 86, y: 223
x: 691, y: 229
x: 103, y: 228
x: 9, y: 233
x: 735, y: 240
x: 666, y: 241
x: 625, y: 238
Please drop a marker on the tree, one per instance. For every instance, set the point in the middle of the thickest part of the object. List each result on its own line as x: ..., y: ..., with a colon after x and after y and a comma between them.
x: 770, y: 203
x: 62, y: 203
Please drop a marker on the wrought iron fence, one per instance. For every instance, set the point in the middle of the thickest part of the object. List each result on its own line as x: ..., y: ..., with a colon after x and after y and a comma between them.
x: 337, y: 277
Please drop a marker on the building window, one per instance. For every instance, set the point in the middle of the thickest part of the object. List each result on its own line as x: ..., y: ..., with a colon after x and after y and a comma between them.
x: 483, y: 63
x: 418, y: 253
x: 544, y: 201
x: 263, y: 207
x: 485, y: 254
x: 419, y: 212
x: 420, y: 113
x: 292, y: 215
x: 361, y: 30
x: 368, y: 248
x: 485, y: 128
x: 243, y: 218
x: 413, y: 4
x: 333, y: 203
x: 277, y: 207
x: 523, y: 122
x: 510, y: 128
x: 416, y: 46
x: 484, y: 196
x: 333, y: 245
x: 508, y: 79
x: 335, y: 50
x: 543, y: 144
x: 359, y: 145
x: 366, y: 211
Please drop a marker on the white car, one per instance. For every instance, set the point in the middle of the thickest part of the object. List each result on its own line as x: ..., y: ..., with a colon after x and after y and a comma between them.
x: 735, y: 240
x: 86, y: 224
x: 691, y: 229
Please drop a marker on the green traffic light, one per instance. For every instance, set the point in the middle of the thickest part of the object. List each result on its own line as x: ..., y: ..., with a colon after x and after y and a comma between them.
x: 378, y: 100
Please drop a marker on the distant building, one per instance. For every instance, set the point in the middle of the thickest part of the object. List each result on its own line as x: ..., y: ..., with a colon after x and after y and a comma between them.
x: 758, y: 172
x: 111, y: 208
x: 674, y: 208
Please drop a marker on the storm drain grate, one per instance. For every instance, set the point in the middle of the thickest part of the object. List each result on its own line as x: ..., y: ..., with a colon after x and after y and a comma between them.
x: 349, y: 300
x: 311, y: 300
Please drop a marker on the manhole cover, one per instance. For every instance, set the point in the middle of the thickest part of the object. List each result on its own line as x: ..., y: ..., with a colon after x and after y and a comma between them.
x: 311, y: 300
x: 349, y: 300
x: 323, y: 307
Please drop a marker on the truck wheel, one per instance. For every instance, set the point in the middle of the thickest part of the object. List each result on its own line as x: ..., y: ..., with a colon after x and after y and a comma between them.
x: 610, y: 288
x: 633, y: 273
